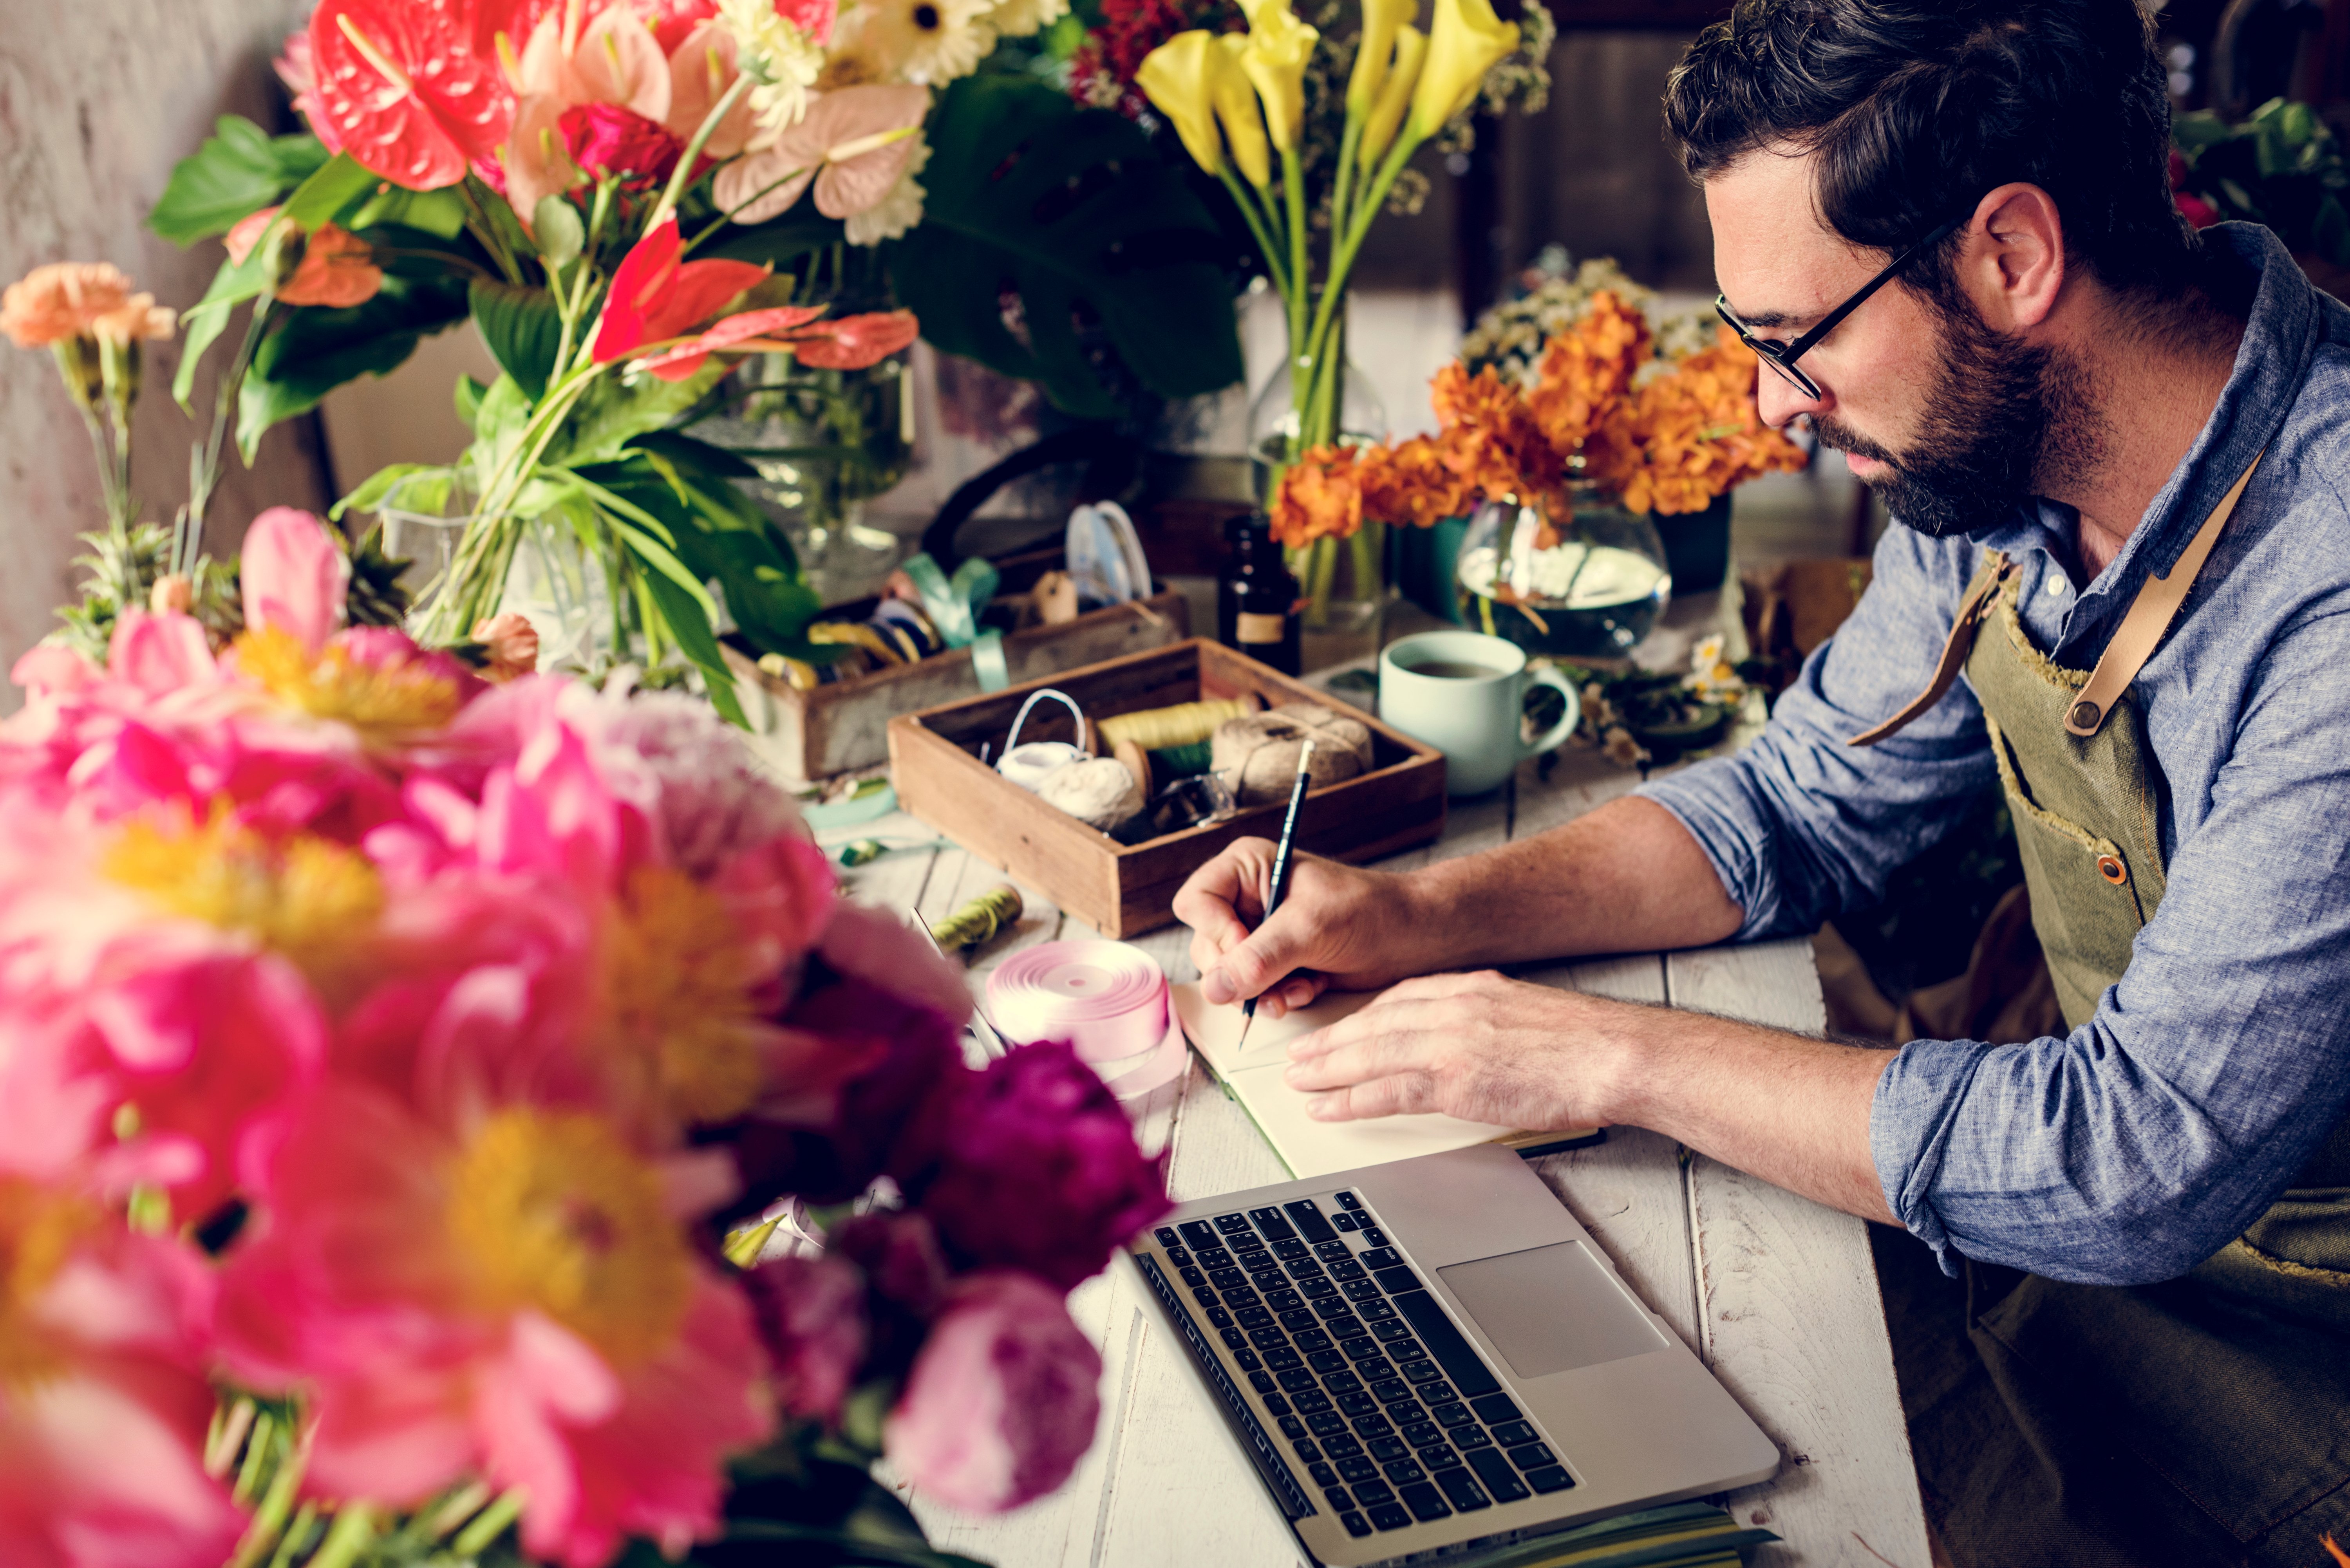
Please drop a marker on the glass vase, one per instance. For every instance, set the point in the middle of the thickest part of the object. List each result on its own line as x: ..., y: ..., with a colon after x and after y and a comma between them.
x: 823, y: 442
x: 1588, y: 586
x: 552, y: 579
x: 1343, y: 580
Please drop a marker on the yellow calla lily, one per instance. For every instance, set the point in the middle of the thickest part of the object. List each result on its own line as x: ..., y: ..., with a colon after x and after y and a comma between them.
x: 1177, y: 77
x: 1465, y: 41
x: 1249, y: 8
x: 1381, y: 18
x: 1394, y: 95
x: 1236, y: 110
x: 1279, y: 45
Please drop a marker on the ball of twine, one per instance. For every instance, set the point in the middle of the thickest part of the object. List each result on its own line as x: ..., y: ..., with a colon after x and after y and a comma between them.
x: 1097, y: 792
x: 1256, y: 754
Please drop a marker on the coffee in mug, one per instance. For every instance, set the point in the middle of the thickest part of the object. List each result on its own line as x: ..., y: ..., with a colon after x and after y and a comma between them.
x: 1464, y: 693
x: 1456, y: 669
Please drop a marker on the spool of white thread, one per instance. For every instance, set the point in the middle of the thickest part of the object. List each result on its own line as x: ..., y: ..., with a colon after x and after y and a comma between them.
x: 1031, y: 764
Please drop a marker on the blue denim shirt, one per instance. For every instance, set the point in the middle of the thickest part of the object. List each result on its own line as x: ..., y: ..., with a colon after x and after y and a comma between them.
x: 2138, y: 1145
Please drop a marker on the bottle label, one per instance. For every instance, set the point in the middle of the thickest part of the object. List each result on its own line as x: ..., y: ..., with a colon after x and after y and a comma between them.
x: 1259, y: 627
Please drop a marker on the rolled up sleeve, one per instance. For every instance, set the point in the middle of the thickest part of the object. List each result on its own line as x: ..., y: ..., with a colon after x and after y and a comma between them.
x: 2138, y: 1145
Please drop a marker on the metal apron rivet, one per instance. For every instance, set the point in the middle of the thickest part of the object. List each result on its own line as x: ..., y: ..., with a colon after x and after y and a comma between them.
x: 2085, y: 715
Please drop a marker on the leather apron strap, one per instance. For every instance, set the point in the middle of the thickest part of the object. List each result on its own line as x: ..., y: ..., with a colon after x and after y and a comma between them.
x: 2150, y: 616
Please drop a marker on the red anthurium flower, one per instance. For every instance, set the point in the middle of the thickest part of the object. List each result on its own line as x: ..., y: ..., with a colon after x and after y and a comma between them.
x: 851, y: 343
x: 656, y: 296
x: 410, y: 92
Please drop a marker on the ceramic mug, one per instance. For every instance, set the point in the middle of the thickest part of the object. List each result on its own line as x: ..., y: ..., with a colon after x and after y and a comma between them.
x: 1462, y: 692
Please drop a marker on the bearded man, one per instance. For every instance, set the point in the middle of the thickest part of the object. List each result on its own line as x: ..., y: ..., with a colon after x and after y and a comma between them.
x: 2121, y: 589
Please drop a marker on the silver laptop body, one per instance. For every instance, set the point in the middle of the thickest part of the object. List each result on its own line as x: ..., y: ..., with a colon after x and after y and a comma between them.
x: 1433, y: 1354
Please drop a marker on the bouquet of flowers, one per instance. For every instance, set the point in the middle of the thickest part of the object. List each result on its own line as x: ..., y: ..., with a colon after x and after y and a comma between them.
x: 1663, y: 435
x: 388, y: 1052
x: 1310, y: 122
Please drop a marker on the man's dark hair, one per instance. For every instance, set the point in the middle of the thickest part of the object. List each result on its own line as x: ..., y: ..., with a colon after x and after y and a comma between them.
x: 1917, y: 108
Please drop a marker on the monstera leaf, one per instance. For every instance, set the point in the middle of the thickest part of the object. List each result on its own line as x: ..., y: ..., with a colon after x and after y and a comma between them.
x: 1072, y: 210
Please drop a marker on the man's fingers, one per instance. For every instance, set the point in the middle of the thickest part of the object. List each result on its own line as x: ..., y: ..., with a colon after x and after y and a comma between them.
x: 1360, y: 1056
x: 1404, y: 1094
x: 1389, y: 1015
x: 1255, y: 966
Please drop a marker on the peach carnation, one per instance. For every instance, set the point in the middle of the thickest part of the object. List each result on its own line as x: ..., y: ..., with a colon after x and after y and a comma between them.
x: 78, y: 299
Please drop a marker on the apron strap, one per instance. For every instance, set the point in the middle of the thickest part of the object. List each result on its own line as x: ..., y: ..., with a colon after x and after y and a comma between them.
x: 2150, y: 616
x: 1961, y: 642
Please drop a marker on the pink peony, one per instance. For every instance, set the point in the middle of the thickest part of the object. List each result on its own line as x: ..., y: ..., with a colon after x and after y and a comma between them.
x: 811, y: 1316
x: 51, y: 668
x: 1002, y: 1400
x: 103, y: 1398
x: 514, y: 1299
x: 160, y: 653
x: 293, y: 576
x: 1032, y: 1165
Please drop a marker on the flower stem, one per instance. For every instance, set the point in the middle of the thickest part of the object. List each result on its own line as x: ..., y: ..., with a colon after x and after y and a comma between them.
x: 682, y: 175
x: 1349, y: 241
x: 204, y: 461
x: 1264, y: 236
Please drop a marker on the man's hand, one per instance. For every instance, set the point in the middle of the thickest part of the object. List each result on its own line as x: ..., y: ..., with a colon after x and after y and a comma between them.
x: 1349, y: 927
x: 1481, y: 1047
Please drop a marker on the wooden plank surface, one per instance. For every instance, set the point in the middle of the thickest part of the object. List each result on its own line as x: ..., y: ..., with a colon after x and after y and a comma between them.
x: 1776, y: 1294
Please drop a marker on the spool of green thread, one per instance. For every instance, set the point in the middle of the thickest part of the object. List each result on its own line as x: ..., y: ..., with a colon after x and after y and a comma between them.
x: 863, y: 851
x: 1182, y: 762
x: 982, y: 918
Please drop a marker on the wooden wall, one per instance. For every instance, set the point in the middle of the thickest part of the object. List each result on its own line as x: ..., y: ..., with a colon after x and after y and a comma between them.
x: 98, y: 100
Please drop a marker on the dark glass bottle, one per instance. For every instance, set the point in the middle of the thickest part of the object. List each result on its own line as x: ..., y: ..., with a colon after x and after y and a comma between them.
x: 1257, y: 600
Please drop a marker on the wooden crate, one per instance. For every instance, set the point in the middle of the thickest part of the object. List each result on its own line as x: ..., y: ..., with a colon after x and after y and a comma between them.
x: 1125, y: 889
x: 834, y: 728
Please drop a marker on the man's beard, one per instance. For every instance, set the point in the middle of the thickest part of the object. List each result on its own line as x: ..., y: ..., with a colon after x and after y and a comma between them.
x: 1999, y: 412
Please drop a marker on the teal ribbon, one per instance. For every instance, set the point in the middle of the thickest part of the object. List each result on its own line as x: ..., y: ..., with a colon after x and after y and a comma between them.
x: 954, y: 605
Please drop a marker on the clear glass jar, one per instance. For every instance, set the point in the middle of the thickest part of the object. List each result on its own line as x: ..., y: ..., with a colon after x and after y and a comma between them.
x: 1589, y: 588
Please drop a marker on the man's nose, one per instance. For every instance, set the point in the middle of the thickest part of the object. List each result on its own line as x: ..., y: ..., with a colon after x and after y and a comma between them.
x: 1779, y: 400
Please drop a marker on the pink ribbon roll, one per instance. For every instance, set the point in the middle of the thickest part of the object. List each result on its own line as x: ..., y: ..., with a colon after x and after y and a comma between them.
x: 1106, y: 999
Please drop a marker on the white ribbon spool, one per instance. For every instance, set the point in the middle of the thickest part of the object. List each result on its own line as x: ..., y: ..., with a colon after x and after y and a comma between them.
x: 1030, y: 765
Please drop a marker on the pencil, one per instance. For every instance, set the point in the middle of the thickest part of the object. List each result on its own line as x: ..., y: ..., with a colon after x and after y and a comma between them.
x: 1280, y: 872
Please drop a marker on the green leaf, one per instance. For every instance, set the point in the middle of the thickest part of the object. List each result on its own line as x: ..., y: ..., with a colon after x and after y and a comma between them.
x: 524, y: 329
x: 329, y: 192
x: 2331, y: 230
x: 239, y: 170
x: 441, y: 214
x: 371, y: 491
x: 467, y: 396
x: 720, y: 533
x: 785, y: 239
x: 1074, y: 209
x: 616, y: 411
x: 689, y: 624
x: 318, y: 349
x: 560, y: 233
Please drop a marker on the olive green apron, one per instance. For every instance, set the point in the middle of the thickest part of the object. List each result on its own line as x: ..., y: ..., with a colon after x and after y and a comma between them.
x: 2202, y: 1419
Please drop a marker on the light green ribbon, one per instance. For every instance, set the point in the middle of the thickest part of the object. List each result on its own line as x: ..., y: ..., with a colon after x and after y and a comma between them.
x: 953, y: 607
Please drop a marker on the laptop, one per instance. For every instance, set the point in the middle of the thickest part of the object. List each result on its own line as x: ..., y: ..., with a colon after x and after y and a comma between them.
x: 1432, y: 1354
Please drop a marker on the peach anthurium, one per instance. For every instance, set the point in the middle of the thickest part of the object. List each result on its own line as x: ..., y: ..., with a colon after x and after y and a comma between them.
x: 408, y: 92
x: 657, y: 295
x: 851, y: 343
x: 701, y: 68
x: 853, y: 143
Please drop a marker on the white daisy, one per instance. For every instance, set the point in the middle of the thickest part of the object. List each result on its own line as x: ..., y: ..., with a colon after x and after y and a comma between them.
x: 780, y: 57
x: 896, y: 213
x: 1019, y: 19
x: 929, y: 41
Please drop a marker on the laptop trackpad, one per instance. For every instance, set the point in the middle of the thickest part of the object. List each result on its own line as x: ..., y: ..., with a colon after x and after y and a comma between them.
x: 1551, y: 1309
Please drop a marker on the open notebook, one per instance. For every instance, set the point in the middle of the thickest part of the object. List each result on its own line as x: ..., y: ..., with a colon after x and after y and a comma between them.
x: 1308, y: 1147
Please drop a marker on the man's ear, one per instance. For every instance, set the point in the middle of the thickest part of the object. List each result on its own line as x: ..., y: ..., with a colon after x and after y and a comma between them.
x: 2012, y: 258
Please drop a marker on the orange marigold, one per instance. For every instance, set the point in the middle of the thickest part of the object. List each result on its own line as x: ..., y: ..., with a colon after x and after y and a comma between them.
x: 1320, y: 497
x: 1418, y: 481
x: 1699, y: 433
x: 1587, y: 370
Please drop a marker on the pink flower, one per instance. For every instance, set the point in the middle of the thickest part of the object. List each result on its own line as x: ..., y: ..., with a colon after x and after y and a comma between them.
x: 1003, y: 1400
x: 617, y: 144
x: 811, y: 1317
x: 337, y: 267
x: 160, y: 653
x: 293, y: 69
x: 103, y: 1398
x: 853, y: 144
x: 512, y: 1300
x: 51, y: 668
x: 293, y: 576
x: 877, y: 947
x: 701, y: 67
x: 862, y: 1060
x: 1032, y: 1165
x: 851, y: 343
x: 672, y: 21
x: 412, y: 93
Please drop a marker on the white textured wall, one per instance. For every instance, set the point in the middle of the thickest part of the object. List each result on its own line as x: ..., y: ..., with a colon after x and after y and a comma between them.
x: 98, y: 100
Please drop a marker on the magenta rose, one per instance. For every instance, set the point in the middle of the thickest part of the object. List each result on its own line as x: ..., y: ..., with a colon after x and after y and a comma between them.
x: 606, y: 140
x: 810, y: 1313
x: 829, y: 1150
x: 1002, y: 1400
x: 1032, y: 1165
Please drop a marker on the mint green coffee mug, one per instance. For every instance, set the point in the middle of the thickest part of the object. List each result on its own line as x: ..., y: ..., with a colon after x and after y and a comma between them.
x: 1462, y: 692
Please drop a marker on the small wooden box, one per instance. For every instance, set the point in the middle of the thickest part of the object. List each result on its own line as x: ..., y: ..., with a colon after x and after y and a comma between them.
x: 1119, y: 889
x: 833, y: 729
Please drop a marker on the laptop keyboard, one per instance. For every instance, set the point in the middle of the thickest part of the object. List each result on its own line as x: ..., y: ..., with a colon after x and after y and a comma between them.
x: 1380, y: 1399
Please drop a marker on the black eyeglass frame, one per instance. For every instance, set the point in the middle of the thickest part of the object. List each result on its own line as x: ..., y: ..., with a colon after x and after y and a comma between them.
x: 1782, y: 357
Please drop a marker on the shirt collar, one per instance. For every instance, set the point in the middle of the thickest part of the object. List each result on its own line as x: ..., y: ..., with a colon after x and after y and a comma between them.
x: 2281, y: 338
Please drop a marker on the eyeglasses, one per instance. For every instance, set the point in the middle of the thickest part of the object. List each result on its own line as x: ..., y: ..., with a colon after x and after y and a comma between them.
x: 1782, y: 357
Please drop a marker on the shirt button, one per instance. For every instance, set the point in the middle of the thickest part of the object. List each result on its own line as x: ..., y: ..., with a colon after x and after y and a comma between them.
x: 2057, y: 584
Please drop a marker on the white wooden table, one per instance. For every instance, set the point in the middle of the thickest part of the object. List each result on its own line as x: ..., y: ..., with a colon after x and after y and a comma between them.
x: 1776, y: 1294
